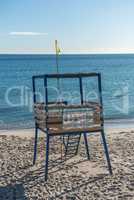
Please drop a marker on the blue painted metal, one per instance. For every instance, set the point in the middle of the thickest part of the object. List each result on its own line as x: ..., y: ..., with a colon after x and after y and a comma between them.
x: 78, y: 144
x: 47, y: 157
x: 102, y: 125
x: 106, y: 152
x: 35, y: 145
x: 47, y: 131
x: 69, y: 75
x: 86, y: 144
x: 85, y: 134
x: 36, y: 128
x: 46, y: 90
x: 81, y: 90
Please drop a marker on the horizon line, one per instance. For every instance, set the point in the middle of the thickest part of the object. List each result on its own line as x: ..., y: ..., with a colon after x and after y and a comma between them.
x: 65, y: 53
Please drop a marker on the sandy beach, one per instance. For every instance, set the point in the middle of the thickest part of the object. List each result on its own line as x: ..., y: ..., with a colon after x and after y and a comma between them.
x: 67, y: 68
x: 74, y: 178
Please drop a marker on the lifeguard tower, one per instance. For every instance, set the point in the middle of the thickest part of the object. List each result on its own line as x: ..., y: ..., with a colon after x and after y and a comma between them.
x: 60, y: 117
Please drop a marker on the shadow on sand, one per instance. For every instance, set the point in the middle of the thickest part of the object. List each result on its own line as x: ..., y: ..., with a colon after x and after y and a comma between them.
x: 35, y: 176
x: 12, y: 192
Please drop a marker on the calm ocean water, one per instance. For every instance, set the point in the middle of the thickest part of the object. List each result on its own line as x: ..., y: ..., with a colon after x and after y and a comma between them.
x: 16, y: 72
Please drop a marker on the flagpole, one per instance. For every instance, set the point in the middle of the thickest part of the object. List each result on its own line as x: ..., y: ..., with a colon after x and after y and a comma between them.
x: 57, y: 63
x: 58, y: 83
x: 57, y: 59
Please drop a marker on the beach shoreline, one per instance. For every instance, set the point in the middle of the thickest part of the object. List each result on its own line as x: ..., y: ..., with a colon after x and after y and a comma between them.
x: 109, y: 127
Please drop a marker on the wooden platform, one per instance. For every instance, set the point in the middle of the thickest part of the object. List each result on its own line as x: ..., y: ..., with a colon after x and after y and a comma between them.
x: 63, y: 131
x: 60, y: 119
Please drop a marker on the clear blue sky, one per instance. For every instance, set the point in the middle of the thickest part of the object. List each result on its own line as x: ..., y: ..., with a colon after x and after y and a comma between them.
x: 81, y: 26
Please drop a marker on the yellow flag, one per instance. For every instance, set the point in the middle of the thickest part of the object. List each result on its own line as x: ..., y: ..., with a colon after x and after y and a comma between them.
x: 57, y: 49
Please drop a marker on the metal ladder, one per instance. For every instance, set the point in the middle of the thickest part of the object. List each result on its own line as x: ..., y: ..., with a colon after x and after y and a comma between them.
x: 71, y: 144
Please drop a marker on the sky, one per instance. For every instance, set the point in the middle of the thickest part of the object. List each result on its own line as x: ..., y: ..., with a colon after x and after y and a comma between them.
x: 80, y: 26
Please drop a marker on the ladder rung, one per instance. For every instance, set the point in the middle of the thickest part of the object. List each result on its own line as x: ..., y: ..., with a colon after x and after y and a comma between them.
x: 71, y: 143
x: 71, y: 149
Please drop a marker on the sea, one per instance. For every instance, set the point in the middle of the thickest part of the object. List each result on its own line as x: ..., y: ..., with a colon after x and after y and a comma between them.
x: 16, y: 71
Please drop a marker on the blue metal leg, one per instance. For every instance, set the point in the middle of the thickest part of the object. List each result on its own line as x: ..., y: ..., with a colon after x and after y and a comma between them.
x: 86, y: 144
x: 35, y: 145
x: 78, y: 145
x: 47, y: 157
x: 106, y: 152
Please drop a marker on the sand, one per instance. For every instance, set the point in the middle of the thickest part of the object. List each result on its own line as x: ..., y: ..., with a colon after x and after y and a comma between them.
x: 73, y: 179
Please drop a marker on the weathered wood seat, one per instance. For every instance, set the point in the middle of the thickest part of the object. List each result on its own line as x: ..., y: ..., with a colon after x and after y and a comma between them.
x: 61, y: 118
